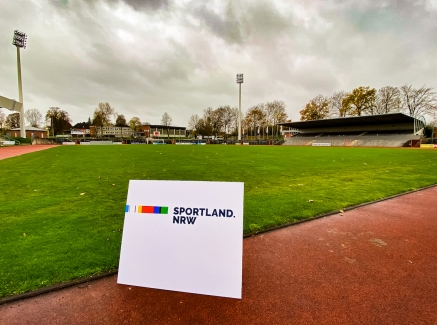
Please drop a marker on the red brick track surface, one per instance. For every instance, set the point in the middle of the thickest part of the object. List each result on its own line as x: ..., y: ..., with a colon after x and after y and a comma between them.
x: 8, y: 152
x: 373, y: 265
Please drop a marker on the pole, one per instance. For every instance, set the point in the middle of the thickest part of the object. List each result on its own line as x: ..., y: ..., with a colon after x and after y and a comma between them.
x: 239, y: 113
x: 20, y: 95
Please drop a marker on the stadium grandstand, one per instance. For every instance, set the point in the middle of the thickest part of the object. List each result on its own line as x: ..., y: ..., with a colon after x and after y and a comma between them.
x: 385, y: 130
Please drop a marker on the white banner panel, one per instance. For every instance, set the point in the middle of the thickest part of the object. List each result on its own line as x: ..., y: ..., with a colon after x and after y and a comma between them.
x: 7, y: 143
x: 100, y: 143
x: 320, y: 144
x: 183, y: 236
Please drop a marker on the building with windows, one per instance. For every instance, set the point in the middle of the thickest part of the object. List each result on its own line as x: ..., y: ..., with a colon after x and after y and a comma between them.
x: 162, y: 131
x: 111, y: 131
x: 31, y: 132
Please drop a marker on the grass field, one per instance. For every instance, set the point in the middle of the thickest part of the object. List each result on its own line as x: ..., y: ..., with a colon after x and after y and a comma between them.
x: 51, y: 233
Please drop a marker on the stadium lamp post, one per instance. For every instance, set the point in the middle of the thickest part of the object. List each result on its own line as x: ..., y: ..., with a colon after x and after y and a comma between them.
x: 19, y: 41
x: 239, y: 82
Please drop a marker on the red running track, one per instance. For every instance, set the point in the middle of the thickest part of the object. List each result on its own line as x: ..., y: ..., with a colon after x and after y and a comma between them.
x: 376, y: 264
x: 8, y: 152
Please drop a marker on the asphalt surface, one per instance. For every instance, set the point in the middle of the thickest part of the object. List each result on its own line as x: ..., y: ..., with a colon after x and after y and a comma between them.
x: 376, y: 264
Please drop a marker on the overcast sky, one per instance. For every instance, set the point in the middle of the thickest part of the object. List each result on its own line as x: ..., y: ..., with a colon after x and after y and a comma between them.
x: 180, y: 56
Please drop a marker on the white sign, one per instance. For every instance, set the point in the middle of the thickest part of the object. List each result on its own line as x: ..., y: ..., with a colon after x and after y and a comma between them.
x: 7, y: 143
x: 320, y: 144
x: 183, y: 236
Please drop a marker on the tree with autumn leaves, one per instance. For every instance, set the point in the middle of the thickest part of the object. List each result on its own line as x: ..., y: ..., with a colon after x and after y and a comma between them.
x: 316, y: 109
x: 369, y: 101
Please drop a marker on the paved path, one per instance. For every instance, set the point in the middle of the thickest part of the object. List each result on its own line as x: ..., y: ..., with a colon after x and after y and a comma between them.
x: 373, y: 265
x: 8, y: 152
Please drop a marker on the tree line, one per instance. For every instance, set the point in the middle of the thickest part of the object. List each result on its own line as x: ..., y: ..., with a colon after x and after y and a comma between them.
x: 369, y: 101
x: 223, y: 121
x: 260, y: 119
x: 58, y: 120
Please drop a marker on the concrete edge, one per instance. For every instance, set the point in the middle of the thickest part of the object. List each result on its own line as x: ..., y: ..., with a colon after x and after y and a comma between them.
x: 63, y: 285
x: 54, y: 287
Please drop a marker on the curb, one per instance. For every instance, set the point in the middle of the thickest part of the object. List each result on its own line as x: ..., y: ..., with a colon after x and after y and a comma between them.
x: 64, y: 285
x: 55, y: 287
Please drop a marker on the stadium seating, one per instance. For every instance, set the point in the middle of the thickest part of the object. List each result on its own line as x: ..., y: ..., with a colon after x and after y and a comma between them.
x: 367, y: 140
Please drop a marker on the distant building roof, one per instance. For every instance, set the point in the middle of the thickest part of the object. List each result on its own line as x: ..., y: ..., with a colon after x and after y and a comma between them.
x: 29, y: 128
x: 394, y: 118
x: 82, y: 125
x: 165, y: 126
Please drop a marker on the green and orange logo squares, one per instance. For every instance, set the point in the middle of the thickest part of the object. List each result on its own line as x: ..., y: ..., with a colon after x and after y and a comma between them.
x: 147, y: 209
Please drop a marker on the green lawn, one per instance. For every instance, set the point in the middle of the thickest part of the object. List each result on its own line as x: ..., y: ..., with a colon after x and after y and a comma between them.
x: 50, y: 233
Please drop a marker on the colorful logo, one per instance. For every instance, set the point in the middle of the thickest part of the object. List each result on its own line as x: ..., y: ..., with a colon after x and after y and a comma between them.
x: 146, y: 209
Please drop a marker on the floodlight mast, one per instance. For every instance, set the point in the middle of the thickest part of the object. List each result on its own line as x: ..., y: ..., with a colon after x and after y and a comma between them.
x: 239, y: 82
x: 19, y: 41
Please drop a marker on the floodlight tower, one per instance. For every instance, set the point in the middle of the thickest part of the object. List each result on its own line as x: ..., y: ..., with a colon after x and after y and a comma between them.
x: 19, y: 41
x: 239, y: 82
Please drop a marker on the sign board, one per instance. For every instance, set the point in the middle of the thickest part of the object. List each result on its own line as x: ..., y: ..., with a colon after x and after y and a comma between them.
x: 156, y: 133
x: 428, y: 146
x: 7, y: 143
x: 183, y: 236
x: 320, y: 144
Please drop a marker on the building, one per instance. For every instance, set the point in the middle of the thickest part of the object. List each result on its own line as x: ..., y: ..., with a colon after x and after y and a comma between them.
x: 160, y: 131
x: 31, y: 132
x: 111, y: 131
x: 385, y: 130
x: 80, y: 130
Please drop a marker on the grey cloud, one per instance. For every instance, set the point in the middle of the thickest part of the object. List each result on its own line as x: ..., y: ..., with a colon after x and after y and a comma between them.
x: 258, y: 20
x: 227, y: 27
x: 80, y: 53
x: 146, y: 4
x: 264, y: 20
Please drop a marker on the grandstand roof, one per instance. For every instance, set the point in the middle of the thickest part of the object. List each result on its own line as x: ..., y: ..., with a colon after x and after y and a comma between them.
x: 352, y: 121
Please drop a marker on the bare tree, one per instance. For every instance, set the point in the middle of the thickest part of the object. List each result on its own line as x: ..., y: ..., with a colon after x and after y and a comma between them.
x: 104, y: 113
x: 234, y: 120
x: 388, y: 100
x: 2, y: 120
x: 33, y: 117
x: 12, y: 121
x: 418, y: 101
x: 228, y: 115
x: 269, y: 112
x: 335, y: 104
x: 193, y: 121
x: 276, y: 110
x: 167, y: 121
